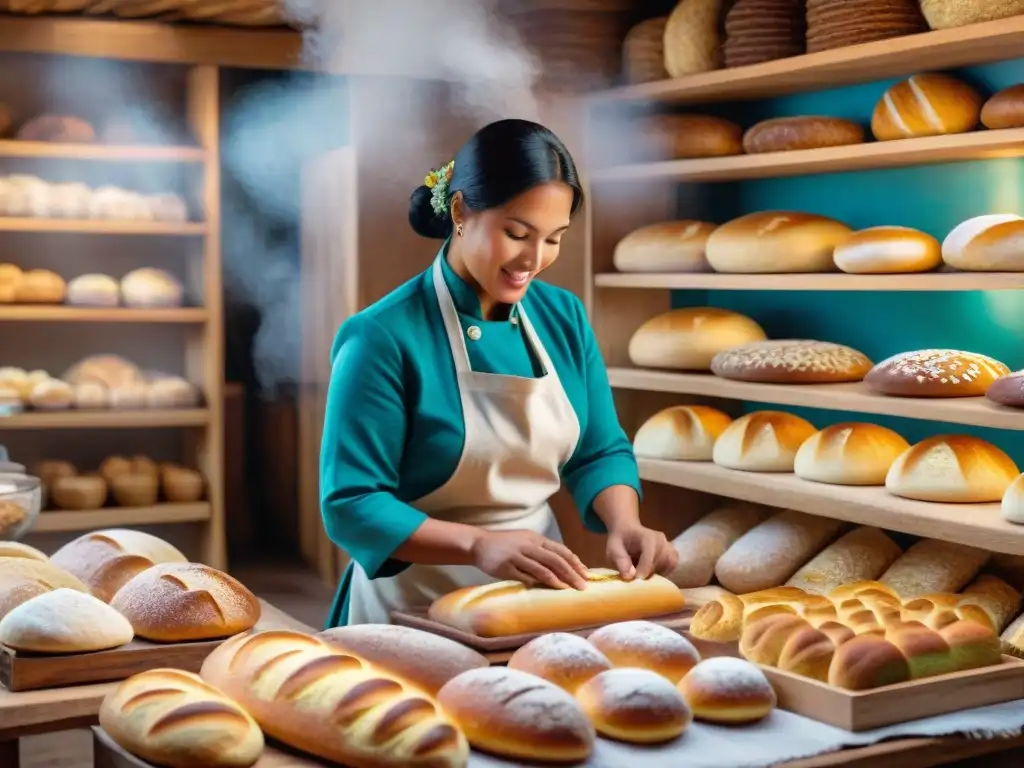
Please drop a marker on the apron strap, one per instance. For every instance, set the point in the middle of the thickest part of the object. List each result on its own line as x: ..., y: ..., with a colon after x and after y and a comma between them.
x: 538, y: 347
x: 457, y: 344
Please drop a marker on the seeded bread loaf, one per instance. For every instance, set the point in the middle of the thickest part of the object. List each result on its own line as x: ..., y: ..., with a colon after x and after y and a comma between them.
x: 791, y: 361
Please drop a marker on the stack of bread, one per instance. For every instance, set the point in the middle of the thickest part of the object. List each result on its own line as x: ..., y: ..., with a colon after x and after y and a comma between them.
x: 32, y: 197
x: 128, y: 482
x: 839, y: 23
x: 763, y: 30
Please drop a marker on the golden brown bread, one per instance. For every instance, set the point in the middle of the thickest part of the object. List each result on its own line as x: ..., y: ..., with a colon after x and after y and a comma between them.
x: 987, y: 243
x: 775, y: 242
x: 791, y: 361
x: 929, y: 104
x: 722, y: 620
x: 925, y: 650
x: 868, y: 661
x: 566, y: 660
x: 763, y: 441
x: 681, y: 433
x: 1000, y: 601
x: 763, y: 641
x: 935, y: 373
x: 172, y: 718
x: 952, y: 468
x: 23, y: 578
x: 862, y: 554
x: 678, y: 137
x: 333, y: 705
x: 668, y: 246
x: 850, y: 453
x: 932, y: 566
x: 1004, y: 109
x: 17, y: 549
x: 646, y: 645
x: 688, y: 339
x: 702, y: 544
x: 635, y: 706
x: 781, y: 134
x: 729, y: 691
x: 511, y: 608
x: 887, y: 250
x: 972, y: 645
x: 178, y: 602
x: 874, y: 590
x: 808, y: 652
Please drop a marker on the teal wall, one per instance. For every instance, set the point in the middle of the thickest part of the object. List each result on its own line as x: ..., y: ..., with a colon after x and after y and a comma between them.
x: 932, y: 198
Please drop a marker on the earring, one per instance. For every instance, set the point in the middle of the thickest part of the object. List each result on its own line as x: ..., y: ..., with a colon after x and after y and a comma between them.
x: 459, y: 230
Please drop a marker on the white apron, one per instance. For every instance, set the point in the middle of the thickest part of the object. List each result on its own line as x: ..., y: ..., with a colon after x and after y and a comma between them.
x: 519, y: 433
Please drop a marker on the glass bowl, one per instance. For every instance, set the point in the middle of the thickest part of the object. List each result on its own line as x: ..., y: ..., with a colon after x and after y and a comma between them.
x: 20, y: 500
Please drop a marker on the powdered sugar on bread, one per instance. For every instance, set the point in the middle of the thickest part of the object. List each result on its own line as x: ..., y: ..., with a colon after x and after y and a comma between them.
x: 565, y: 651
x: 637, y: 690
x: 729, y: 679
x: 646, y: 636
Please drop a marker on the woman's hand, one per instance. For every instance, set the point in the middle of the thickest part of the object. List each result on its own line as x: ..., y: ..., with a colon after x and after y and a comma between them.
x: 649, y: 549
x: 528, y: 557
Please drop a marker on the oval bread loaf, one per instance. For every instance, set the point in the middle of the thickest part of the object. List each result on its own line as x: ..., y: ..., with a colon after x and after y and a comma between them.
x: 681, y: 433
x: 635, y: 706
x: 669, y: 246
x: 1008, y: 390
x: 703, y: 543
x: 990, y: 243
x: 952, y: 468
x: 849, y: 453
x: 729, y: 691
x: 680, y: 137
x: 763, y: 441
x: 64, y: 621
x: 1001, y: 601
x: 566, y: 660
x: 929, y: 104
x: 935, y: 373
x: 646, y: 645
x: 781, y: 134
x: 791, y: 361
x: 172, y: 718
x: 688, y: 339
x: 863, y: 554
x: 776, y: 242
x: 887, y: 251
x: 931, y: 566
x: 1004, y: 109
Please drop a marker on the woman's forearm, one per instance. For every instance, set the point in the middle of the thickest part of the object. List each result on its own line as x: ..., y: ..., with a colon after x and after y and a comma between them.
x: 618, y: 506
x: 437, y: 542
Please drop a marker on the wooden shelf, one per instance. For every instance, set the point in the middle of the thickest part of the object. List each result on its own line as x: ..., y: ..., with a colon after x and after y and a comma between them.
x: 942, y: 49
x: 118, y: 517
x: 976, y: 411
x: 978, y: 145
x: 186, y: 417
x: 102, y: 152
x: 101, y: 227
x: 978, y: 525
x: 925, y: 281
x: 65, y: 314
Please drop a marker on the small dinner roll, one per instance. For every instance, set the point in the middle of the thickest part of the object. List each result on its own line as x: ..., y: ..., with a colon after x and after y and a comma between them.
x: 646, y: 645
x: 561, y: 658
x: 728, y: 690
x: 634, y: 705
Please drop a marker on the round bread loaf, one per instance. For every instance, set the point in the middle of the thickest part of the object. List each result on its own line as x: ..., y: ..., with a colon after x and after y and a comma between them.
x: 518, y: 715
x: 990, y: 243
x: 928, y: 104
x: 728, y: 691
x: 1008, y: 390
x: 681, y: 433
x: 781, y: 134
x: 669, y: 246
x: 791, y: 361
x: 646, y: 645
x: 94, y: 291
x: 680, y: 137
x: 763, y: 441
x: 775, y: 242
x: 1004, y: 109
x: 689, y: 338
x: 952, y: 468
x: 850, y: 453
x: 566, y: 660
x: 935, y: 373
x: 64, y: 621
x: 635, y: 705
x: 887, y: 251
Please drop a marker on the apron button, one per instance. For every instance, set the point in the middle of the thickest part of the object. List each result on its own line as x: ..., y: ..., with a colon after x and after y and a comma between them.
x: 514, y: 320
x: 474, y: 333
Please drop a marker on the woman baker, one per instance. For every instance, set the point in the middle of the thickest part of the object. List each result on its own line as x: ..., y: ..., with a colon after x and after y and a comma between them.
x: 460, y: 402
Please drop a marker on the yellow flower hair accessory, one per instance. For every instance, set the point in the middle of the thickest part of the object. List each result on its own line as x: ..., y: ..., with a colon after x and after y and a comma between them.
x: 438, y: 181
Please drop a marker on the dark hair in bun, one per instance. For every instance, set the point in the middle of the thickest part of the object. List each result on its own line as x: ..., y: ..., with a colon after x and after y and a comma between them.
x: 499, y: 162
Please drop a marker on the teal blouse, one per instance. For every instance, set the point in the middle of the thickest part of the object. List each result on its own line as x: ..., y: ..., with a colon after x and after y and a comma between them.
x: 393, y: 428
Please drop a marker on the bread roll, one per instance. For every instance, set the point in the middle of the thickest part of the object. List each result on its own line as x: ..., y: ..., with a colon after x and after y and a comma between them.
x: 1012, y: 638
x: 703, y: 543
x: 929, y: 104
x: 182, y: 485
x: 566, y: 660
x: 781, y: 134
x: 1008, y: 390
x: 935, y: 373
x: 51, y: 395
x: 850, y: 453
x: 517, y: 715
x: 107, y: 560
x: 669, y: 246
x: 135, y: 490
x: 40, y: 286
x: 112, y: 371
x: 635, y: 705
x: 172, y: 718
x: 791, y: 361
x: 1004, y: 109
x: 689, y: 338
x: 333, y: 706
x: 646, y: 645
x: 90, y: 395
x: 719, y: 621
x: 94, y: 291
x: 1001, y: 601
x: 887, y: 251
x: 17, y: 549
x: 952, y: 468
x: 771, y: 552
x: 808, y: 652
x: 931, y: 566
x: 873, y: 590
x: 863, y: 554
x: 763, y: 441
x: 728, y: 691
x: 78, y: 492
x: 511, y: 608
x: 680, y: 137
x: 148, y: 287
x: 1012, y: 504
x: 925, y: 650
x: 989, y: 243
x: 775, y: 242
x: 681, y: 433
x: 868, y: 661
x: 64, y: 621
x: 178, y: 602
x: 763, y: 640
x: 423, y: 659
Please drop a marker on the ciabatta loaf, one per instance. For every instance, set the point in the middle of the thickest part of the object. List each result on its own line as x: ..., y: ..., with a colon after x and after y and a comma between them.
x: 64, y: 621
x: 681, y: 433
x: 332, y: 705
x: 172, y: 718
x: 669, y: 246
x: 511, y: 608
x: 177, y: 602
x: 952, y: 468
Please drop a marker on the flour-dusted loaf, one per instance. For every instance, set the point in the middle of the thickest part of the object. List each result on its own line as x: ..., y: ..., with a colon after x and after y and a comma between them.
x: 768, y: 554
x: 561, y: 658
x: 64, y: 621
x: 107, y: 560
x: 689, y: 338
x: 929, y: 104
x: 763, y: 441
x: 646, y: 645
x: 993, y: 242
x: 931, y: 566
x: 703, y: 543
x: 1004, y: 109
x: 791, y: 361
x: 781, y: 134
x: 332, y: 705
x: 668, y: 246
x: 681, y: 433
x: 679, y: 137
x: 634, y: 706
x: 863, y: 554
x: 423, y: 659
x: 518, y: 715
x: 512, y: 608
x: 888, y: 250
x: 728, y: 691
x: 178, y: 602
x: 776, y: 242
x: 935, y: 373
x: 849, y: 453
x: 17, y: 549
x: 952, y: 468
x: 173, y: 718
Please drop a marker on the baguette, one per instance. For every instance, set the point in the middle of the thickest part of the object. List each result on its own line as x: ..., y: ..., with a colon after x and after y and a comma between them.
x: 332, y: 705
x: 703, y: 543
x: 934, y: 566
x: 863, y: 554
x: 174, y: 719
x: 510, y: 608
x: 1000, y: 601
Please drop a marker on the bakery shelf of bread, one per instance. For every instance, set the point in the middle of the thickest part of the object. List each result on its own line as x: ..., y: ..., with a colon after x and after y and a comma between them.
x: 120, y: 517
x: 822, y: 281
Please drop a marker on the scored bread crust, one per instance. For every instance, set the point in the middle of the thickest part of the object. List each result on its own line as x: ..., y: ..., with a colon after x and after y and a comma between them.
x: 668, y: 246
x: 689, y: 338
x: 681, y: 433
x: 951, y: 469
x: 776, y: 242
x: 850, y: 453
x: 927, y: 104
x: 635, y: 706
x: 763, y: 441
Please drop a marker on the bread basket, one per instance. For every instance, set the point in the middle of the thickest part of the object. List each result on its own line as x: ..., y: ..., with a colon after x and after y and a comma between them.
x: 20, y: 501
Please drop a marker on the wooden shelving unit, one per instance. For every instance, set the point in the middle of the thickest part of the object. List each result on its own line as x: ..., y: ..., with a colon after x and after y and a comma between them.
x: 120, y: 517
x: 150, y: 419
x: 60, y: 314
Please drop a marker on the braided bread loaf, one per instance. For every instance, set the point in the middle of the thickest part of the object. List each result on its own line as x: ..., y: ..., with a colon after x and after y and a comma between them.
x: 333, y: 705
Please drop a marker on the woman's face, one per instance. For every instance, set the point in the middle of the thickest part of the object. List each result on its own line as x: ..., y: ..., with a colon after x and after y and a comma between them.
x: 505, y: 248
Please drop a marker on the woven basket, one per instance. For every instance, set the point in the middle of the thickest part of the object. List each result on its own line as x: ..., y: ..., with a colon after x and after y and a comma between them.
x: 643, y: 52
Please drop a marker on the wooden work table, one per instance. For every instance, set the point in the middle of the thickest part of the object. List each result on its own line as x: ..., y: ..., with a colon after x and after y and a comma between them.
x: 59, y: 709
